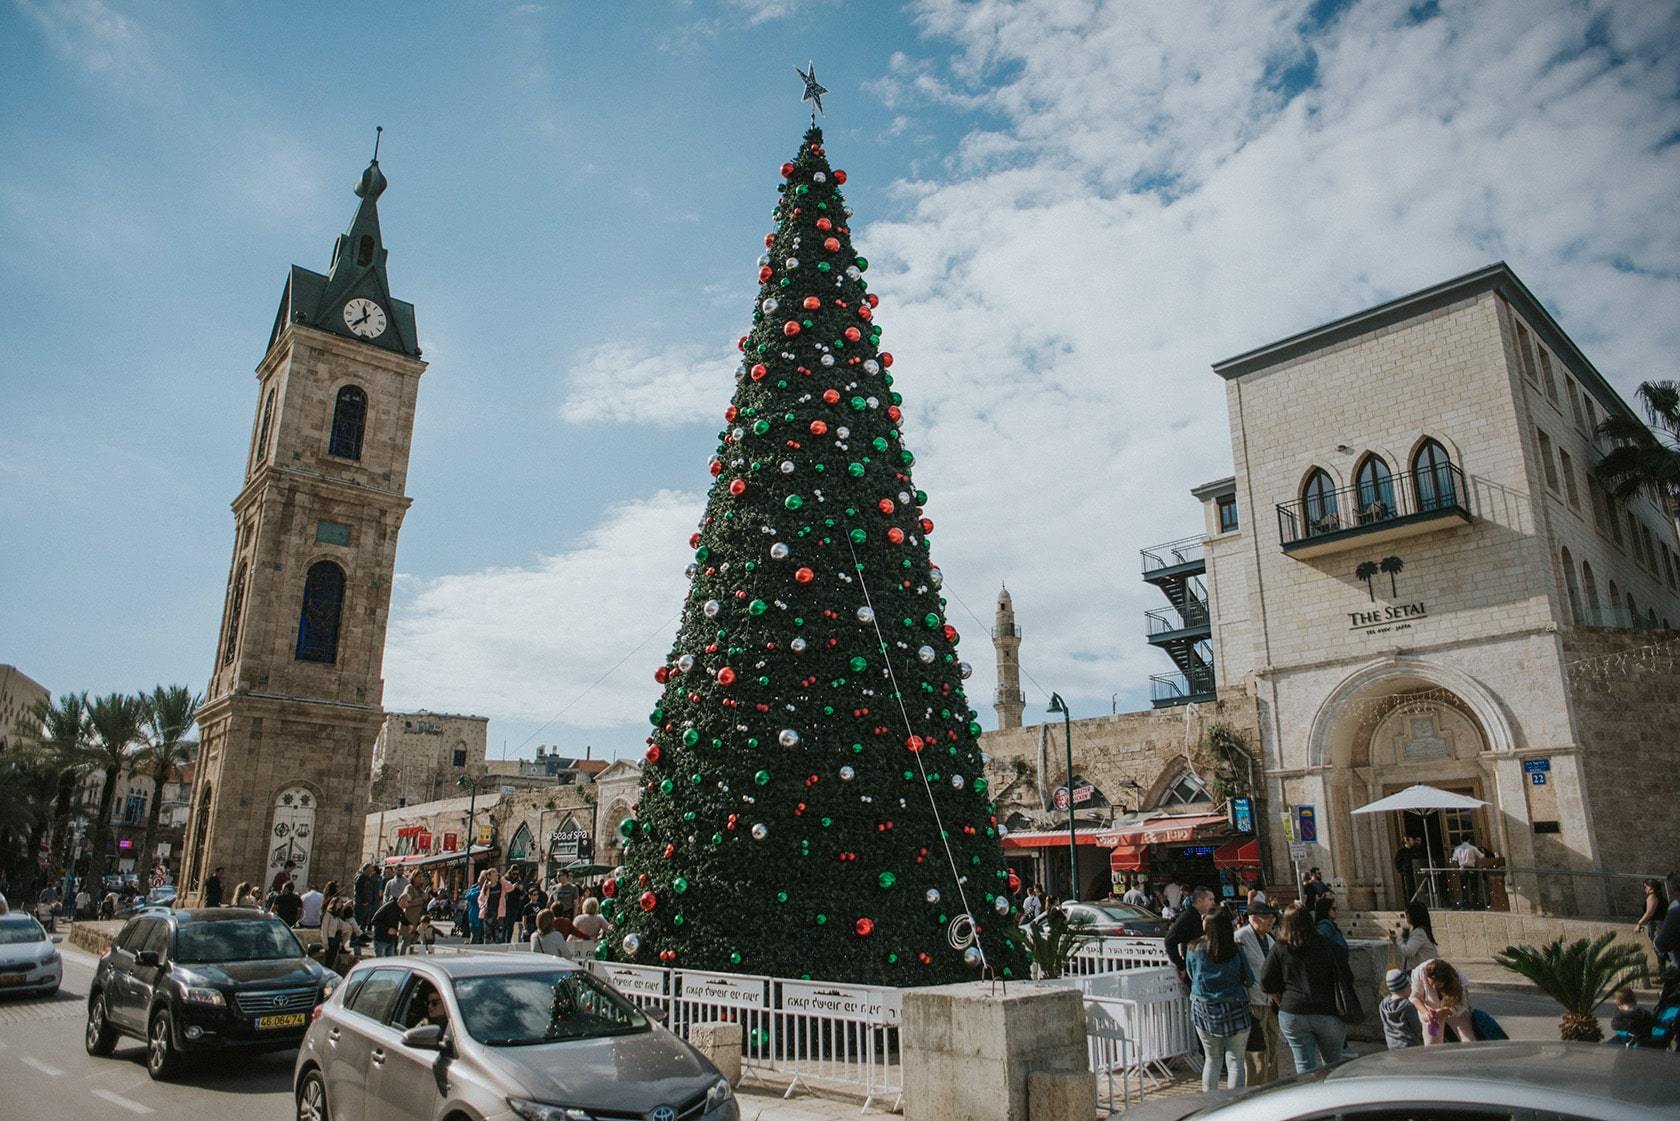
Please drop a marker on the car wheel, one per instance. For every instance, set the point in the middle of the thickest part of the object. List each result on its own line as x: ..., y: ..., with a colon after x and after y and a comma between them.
x: 312, y: 1098
x: 100, y: 1037
x: 162, y: 1060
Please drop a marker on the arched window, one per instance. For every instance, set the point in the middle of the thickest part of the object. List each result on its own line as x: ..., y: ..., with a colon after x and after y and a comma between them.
x: 292, y: 836
x: 364, y: 251
x: 1633, y: 611
x: 1651, y: 617
x: 1376, y: 491
x: 1186, y: 789
x: 520, y: 847
x: 1594, y: 615
x: 1318, y: 498
x: 259, y: 453
x: 236, y: 603
x: 1572, y: 587
x: 323, y: 604
x: 349, y: 417
x: 1432, y: 477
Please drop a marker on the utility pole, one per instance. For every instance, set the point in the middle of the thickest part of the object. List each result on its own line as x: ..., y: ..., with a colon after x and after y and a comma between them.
x: 1059, y: 705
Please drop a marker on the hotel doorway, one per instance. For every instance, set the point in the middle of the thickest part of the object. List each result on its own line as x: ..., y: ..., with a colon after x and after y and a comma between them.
x: 1441, y: 832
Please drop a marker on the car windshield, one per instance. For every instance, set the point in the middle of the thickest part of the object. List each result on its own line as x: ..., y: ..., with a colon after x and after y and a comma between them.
x: 551, y: 1006
x: 234, y: 940
x: 17, y: 931
x: 1124, y: 912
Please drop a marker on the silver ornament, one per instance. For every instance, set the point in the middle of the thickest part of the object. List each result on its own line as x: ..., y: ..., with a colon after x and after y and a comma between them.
x: 788, y: 737
x: 710, y: 608
x: 926, y: 654
x: 932, y: 896
x: 958, y: 782
x: 972, y: 957
x: 631, y: 944
x: 866, y: 614
x: 1001, y: 904
x: 827, y: 360
x: 686, y: 662
x: 818, y: 177
x: 760, y: 831
x: 798, y: 645
x: 966, y: 670
x: 874, y: 402
x: 786, y: 466
x: 779, y: 551
x: 791, y: 263
x: 770, y: 303
x: 936, y: 578
x: 691, y: 570
x: 853, y: 271
x: 870, y: 366
x: 842, y: 432
x: 763, y: 259
x: 847, y: 774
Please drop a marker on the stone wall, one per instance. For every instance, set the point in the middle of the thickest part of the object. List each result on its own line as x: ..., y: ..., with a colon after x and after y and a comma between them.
x: 414, y: 756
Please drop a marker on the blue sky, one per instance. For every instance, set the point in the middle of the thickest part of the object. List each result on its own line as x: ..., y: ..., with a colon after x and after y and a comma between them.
x: 1073, y: 209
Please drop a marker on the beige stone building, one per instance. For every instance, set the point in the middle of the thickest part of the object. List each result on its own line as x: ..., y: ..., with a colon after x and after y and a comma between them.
x: 19, y: 693
x: 420, y: 756
x: 1416, y: 577
x: 294, y: 701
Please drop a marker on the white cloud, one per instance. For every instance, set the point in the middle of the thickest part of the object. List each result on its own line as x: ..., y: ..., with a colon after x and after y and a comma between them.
x: 621, y: 383
x: 89, y: 33
x: 530, y: 643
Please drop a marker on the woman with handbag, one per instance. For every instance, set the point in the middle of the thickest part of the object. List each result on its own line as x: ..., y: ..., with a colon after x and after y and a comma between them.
x: 1309, y: 975
x: 1219, y: 980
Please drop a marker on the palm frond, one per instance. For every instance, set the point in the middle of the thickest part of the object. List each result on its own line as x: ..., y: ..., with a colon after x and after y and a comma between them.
x: 1580, y: 974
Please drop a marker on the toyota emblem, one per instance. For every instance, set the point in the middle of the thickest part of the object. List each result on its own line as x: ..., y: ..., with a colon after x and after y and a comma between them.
x: 663, y: 1113
x: 280, y: 1002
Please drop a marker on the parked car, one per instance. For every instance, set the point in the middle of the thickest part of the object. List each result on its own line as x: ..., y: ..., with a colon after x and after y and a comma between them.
x: 1461, y: 1082
x: 1113, y: 919
x: 29, y: 957
x: 526, y: 1038
x: 209, y: 980
x: 159, y: 898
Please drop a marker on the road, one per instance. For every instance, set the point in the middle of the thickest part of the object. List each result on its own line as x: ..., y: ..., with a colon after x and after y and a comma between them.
x: 44, y: 1071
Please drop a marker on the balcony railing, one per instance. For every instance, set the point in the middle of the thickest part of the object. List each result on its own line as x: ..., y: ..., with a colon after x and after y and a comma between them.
x: 1402, y: 500
x: 1165, y: 620
x: 1016, y: 631
x: 1177, y: 688
x: 1172, y: 554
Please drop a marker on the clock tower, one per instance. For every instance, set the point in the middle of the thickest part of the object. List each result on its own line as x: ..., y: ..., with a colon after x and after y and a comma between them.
x: 295, y: 697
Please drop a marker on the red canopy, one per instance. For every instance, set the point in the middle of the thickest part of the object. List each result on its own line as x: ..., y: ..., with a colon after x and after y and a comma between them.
x: 1129, y: 858
x: 1237, y: 854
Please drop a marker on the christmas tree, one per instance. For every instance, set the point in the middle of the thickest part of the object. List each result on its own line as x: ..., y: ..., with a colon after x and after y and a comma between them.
x: 813, y: 799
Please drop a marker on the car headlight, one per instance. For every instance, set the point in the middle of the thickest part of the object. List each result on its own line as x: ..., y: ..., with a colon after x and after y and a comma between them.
x: 718, y: 1094
x: 212, y: 997
x: 537, y: 1111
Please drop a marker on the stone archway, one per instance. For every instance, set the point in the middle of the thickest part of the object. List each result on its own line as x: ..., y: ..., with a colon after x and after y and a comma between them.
x: 1389, y: 725
x: 609, y: 844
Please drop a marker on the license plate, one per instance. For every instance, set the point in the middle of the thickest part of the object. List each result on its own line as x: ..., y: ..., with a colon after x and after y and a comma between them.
x: 12, y: 978
x: 284, y: 1020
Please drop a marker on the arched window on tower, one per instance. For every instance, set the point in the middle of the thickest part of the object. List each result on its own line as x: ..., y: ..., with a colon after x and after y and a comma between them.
x: 1432, y: 478
x: 236, y: 603
x: 323, y: 605
x: 364, y: 251
x: 1376, y: 491
x: 1318, y: 498
x: 349, y: 417
x: 1570, y: 585
x: 1589, y: 584
x: 259, y: 451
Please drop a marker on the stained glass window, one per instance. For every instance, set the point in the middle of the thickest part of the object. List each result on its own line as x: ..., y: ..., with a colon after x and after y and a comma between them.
x: 323, y: 603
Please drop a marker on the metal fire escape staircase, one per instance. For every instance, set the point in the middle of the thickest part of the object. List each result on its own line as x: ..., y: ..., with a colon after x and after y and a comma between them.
x: 1184, y: 629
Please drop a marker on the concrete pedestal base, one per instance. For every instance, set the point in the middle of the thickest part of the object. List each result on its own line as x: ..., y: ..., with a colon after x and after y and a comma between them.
x: 968, y: 1049
x: 719, y: 1041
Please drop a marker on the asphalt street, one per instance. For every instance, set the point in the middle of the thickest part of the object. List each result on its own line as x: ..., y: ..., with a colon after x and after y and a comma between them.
x: 44, y: 1071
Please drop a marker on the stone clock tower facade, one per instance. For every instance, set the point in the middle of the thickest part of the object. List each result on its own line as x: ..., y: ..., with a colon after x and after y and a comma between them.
x: 296, y: 698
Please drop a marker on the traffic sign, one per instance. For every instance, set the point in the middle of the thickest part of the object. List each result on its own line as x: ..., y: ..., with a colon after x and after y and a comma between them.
x: 1306, y: 823
x: 1299, y: 851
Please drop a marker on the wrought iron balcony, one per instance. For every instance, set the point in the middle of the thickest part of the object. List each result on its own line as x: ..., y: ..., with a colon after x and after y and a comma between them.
x: 1181, y: 556
x: 1168, y: 689
x: 1403, y: 505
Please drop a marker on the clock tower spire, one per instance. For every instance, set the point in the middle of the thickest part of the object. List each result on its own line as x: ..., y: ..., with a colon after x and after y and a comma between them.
x: 296, y: 694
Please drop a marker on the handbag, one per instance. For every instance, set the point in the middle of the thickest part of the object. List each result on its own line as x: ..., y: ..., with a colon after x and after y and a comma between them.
x: 1348, y: 1008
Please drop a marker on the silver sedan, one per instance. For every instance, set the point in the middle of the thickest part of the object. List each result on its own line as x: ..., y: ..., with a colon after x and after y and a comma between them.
x: 496, y: 1038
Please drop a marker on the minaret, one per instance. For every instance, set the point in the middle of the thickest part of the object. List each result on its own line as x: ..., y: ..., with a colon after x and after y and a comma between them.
x: 1006, y: 637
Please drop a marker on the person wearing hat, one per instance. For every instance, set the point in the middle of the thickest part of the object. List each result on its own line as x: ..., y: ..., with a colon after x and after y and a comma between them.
x: 1255, y: 941
x: 1400, y: 1023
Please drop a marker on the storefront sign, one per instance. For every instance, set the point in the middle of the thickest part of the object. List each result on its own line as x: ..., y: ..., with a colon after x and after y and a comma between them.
x: 451, y: 842
x: 1083, y: 794
x: 1060, y: 798
x: 853, y: 1001
x: 571, y: 844
x: 737, y: 992
x: 1242, y: 815
x: 1388, y: 618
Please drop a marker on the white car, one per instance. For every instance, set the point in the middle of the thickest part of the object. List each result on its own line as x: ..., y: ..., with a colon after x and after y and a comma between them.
x: 29, y: 957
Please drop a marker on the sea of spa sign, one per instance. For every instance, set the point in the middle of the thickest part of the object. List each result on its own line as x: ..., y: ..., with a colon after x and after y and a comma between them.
x: 1388, y: 617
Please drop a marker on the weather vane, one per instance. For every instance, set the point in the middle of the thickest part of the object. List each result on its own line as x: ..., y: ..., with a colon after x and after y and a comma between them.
x: 813, y: 91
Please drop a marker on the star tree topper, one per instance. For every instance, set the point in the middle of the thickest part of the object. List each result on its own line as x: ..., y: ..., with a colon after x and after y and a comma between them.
x: 813, y: 91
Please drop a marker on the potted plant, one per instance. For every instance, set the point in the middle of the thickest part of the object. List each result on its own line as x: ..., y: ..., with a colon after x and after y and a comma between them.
x: 1578, y: 976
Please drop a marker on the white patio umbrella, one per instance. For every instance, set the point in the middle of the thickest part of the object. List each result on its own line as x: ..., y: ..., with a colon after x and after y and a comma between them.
x: 1421, y: 799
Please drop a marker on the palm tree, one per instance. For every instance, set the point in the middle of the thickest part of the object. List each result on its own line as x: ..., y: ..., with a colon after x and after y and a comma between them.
x: 55, y: 737
x: 26, y: 803
x: 1645, y: 456
x: 170, y: 712
x: 1364, y: 572
x: 1393, y: 566
x: 117, y: 721
x: 1578, y: 976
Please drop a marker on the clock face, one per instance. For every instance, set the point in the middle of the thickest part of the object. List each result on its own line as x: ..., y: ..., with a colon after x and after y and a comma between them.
x: 364, y: 318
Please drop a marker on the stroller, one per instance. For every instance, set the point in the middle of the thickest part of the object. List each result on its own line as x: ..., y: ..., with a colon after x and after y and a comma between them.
x: 1666, y: 1015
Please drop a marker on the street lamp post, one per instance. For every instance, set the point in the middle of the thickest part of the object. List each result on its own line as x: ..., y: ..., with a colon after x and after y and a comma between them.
x: 1059, y: 705
x: 472, y: 807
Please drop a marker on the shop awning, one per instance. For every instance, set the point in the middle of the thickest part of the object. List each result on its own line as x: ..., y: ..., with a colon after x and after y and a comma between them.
x: 1237, y: 854
x: 1047, y: 838
x: 1129, y: 858
x: 425, y: 860
x: 1164, y: 830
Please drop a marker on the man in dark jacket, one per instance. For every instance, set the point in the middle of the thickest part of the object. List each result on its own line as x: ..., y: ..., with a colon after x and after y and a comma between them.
x: 367, y: 889
x: 288, y: 905
x: 213, y: 889
x: 385, y: 924
x: 1187, y: 927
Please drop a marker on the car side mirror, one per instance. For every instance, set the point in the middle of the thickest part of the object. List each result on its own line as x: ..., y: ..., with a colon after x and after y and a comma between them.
x: 57, y: 938
x: 658, y: 1015
x: 148, y: 958
x: 424, y: 1037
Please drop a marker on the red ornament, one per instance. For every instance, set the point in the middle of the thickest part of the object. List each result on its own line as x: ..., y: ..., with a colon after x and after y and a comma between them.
x: 866, y: 312
x: 949, y: 632
x: 874, y: 300
x: 811, y: 303
x: 839, y: 177
x: 832, y: 244
x: 885, y: 505
x: 895, y: 535
x: 731, y: 413
x: 610, y: 888
x: 769, y: 240
x: 927, y: 525
x: 914, y: 743
x: 886, y: 359
x: 694, y: 540
x: 649, y: 901
x: 824, y: 225
x: 818, y: 428
x: 1014, y: 882
x: 864, y: 927
x: 852, y: 334
x: 653, y: 754
x: 804, y: 575
x: 741, y: 344
x: 726, y: 676
x: 758, y: 373
x: 764, y: 274
x: 790, y: 328
x: 831, y: 396
x: 662, y: 674
x: 925, y: 958
x: 715, y: 467
x: 787, y: 171
x: 670, y: 851
x: 737, y: 487
x: 894, y: 413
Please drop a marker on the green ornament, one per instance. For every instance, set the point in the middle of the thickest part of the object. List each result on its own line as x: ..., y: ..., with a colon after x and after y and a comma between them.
x: 717, y: 838
x: 781, y: 897
x: 921, y: 498
x: 752, y: 566
x: 858, y: 405
x: 858, y: 537
x: 862, y: 263
x: 677, y: 919
x: 979, y: 785
x: 734, y: 957
x: 760, y: 427
x: 859, y: 663
x: 974, y: 728
x: 906, y: 457
x: 757, y: 607
x: 679, y: 885
x: 695, y: 778
x: 821, y: 919
x: 892, y: 959
x: 701, y: 554
x: 627, y: 827
x: 752, y: 741
x: 802, y: 189
x: 930, y: 620
x: 667, y: 786
x: 657, y: 716
x: 762, y: 777
x: 887, y: 879
x: 855, y: 470
x: 822, y: 266
x: 691, y: 737
x: 879, y: 443
x: 793, y: 502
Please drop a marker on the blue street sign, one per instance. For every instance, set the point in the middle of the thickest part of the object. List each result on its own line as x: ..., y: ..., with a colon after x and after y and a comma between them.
x: 1537, y: 778
x: 1534, y: 766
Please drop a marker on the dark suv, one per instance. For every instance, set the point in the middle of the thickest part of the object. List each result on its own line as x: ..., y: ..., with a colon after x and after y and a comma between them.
x: 204, y: 980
